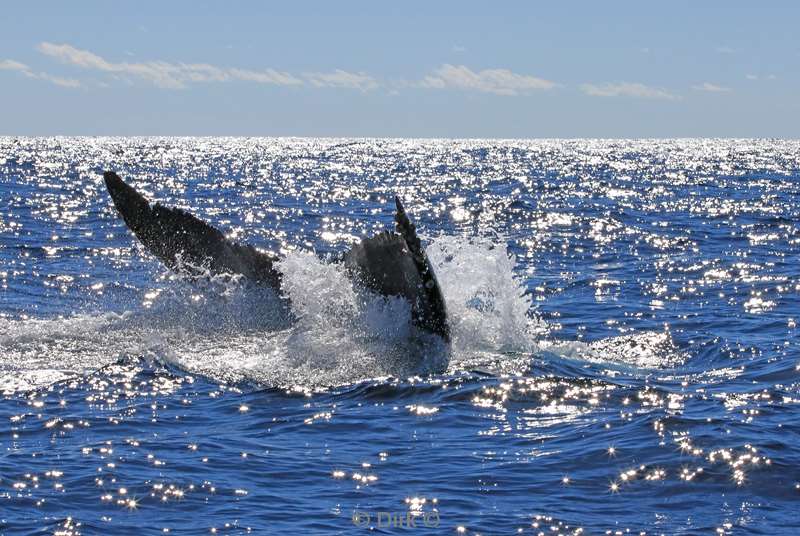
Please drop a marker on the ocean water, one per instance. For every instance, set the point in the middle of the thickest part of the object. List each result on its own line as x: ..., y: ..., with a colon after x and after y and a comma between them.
x: 625, y: 355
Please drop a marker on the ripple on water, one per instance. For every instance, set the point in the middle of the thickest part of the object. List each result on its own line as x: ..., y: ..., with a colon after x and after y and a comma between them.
x: 625, y: 350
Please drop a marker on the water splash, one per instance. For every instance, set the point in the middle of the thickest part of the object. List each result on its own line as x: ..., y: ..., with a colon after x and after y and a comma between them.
x: 488, y: 306
x: 232, y: 331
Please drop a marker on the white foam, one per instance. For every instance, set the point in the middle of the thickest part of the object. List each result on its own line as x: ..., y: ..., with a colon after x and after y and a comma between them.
x: 644, y: 351
x: 339, y: 334
x: 488, y: 307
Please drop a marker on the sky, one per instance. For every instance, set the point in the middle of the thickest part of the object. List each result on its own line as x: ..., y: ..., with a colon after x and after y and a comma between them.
x: 532, y: 69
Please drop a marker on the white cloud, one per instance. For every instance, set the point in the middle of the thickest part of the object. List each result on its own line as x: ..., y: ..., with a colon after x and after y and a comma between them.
x: 161, y: 73
x: 70, y: 54
x: 497, y: 81
x: 342, y: 79
x: 725, y: 50
x: 57, y: 80
x: 11, y: 65
x: 757, y: 77
x: 268, y: 76
x: 712, y: 88
x: 628, y: 89
x: 179, y: 75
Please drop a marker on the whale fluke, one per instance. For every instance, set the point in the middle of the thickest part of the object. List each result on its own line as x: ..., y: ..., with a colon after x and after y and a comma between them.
x: 391, y: 263
x: 435, y: 312
x: 181, y: 240
x: 396, y: 265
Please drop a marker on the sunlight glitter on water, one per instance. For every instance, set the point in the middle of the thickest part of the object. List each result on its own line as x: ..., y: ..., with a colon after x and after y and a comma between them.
x: 624, y: 358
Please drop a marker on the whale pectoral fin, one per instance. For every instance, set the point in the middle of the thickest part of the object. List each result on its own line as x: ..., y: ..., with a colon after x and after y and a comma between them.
x: 394, y: 264
x: 180, y: 240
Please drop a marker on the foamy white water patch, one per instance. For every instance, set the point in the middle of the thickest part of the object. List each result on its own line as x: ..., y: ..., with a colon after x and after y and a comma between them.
x: 646, y: 350
x: 39, y: 352
x: 328, y: 332
x: 488, y: 307
x: 348, y: 331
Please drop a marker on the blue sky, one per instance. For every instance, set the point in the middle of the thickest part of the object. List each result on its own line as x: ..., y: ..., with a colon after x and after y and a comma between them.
x: 423, y: 69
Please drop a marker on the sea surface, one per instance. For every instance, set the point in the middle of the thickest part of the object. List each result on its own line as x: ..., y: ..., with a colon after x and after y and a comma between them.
x: 625, y: 354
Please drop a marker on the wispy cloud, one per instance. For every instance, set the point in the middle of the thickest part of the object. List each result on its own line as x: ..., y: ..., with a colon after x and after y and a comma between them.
x: 628, y: 89
x: 57, y: 80
x: 757, y: 77
x: 178, y: 75
x: 11, y: 65
x: 267, y: 76
x: 724, y: 50
x: 497, y: 81
x: 171, y: 75
x: 161, y: 73
x: 711, y: 88
x: 342, y: 79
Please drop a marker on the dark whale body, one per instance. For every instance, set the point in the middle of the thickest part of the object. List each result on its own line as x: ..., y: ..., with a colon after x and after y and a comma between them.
x: 390, y: 264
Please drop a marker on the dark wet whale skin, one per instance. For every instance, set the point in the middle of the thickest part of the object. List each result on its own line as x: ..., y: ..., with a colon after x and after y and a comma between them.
x: 390, y: 264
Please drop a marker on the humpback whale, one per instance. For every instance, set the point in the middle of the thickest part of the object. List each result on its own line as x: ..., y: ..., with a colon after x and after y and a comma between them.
x: 392, y: 263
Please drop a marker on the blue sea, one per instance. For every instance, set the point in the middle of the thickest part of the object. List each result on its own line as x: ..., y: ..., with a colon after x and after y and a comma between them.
x: 625, y: 355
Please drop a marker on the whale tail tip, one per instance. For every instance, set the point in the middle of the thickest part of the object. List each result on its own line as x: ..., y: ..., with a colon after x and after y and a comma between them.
x: 177, y: 237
